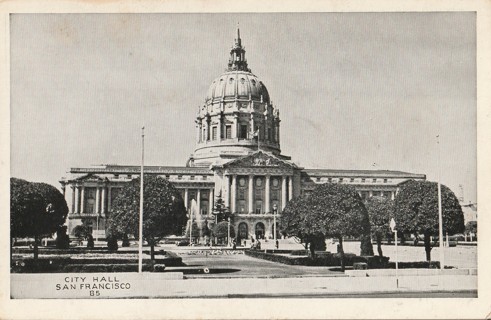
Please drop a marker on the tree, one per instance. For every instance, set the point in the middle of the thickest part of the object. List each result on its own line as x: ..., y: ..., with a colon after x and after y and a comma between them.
x: 163, y: 210
x: 380, y: 211
x: 471, y: 227
x: 36, y: 210
x: 221, y: 211
x: 82, y: 231
x: 221, y: 230
x: 416, y: 211
x: 331, y: 210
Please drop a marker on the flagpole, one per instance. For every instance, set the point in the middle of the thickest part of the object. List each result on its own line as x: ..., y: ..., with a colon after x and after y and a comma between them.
x: 440, y: 215
x: 397, y: 263
x: 140, y: 225
x: 393, y: 228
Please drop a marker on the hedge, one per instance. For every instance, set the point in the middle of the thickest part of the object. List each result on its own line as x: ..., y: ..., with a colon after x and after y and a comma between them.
x: 325, y: 259
x: 415, y: 265
x: 53, y: 265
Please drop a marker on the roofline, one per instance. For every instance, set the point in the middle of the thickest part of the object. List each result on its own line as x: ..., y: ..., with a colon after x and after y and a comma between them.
x: 137, y: 169
x: 363, y: 173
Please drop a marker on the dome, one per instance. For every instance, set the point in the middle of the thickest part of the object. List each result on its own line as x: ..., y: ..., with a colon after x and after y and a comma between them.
x: 240, y: 84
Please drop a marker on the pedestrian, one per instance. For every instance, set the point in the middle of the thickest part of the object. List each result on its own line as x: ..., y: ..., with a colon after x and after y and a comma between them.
x: 277, y: 244
x: 234, y: 244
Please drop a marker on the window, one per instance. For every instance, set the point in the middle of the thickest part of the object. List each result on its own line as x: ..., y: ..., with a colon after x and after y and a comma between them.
x: 205, y: 177
x: 374, y: 180
x: 116, y: 176
x: 167, y: 176
x: 242, y: 194
x: 192, y: 177
x: 269, y: 134
x: 329, y: 180
x: 179, y: 177
x: 228, y: 132
x: 385, y: 180
x: 352, y: 180
x: 243, y: 131
x: 318, y: 179
x: 214, y: 133
x: 340, y: 180
x: 363, y: 180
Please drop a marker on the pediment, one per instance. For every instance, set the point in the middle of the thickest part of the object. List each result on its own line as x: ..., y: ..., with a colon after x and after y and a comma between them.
x: 90, y: 177
x: 260, y: 159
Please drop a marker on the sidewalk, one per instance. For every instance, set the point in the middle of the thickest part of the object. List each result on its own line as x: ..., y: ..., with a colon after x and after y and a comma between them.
x: 153, y: 285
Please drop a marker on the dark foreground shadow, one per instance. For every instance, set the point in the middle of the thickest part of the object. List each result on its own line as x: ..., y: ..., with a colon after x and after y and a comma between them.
x: 203, y: 270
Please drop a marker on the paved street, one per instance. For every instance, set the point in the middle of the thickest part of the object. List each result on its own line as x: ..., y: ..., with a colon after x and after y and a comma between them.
x: 242, y: 266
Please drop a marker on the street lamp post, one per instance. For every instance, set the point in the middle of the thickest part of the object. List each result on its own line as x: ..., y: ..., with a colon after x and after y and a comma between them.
x: 228, y: 231
x: 275, y: 210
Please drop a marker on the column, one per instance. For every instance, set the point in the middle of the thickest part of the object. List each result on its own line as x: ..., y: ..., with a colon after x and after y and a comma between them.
x: 235, y: 133
x: 219, y: 127
x: 211, y: 201
x: 82, y: 197
x: 97, y: 200
x: 77, y: 199
x: 108, y: 199
x: 266, y: 194
x: 392, y: 195
x: 283, y: 192
x: 251, y: 193
x: 198, y: 200
x: 253, y: 128
x: 103, y: 200
x: 186, y: 197
x: 233, y: 193
x: 227, y: 191
x: 72, y: 206
x: 290, y: 188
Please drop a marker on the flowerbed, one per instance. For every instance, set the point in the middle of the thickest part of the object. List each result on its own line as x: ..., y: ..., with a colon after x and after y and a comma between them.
x: 212, y: 252
x: 101, y: 263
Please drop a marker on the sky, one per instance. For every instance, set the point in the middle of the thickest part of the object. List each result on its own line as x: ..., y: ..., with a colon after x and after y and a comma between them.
x: 355, y: 90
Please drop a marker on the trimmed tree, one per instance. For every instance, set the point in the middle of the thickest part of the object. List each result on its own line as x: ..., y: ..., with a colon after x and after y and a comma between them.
x: 163, y: 211
x: 471, y: 227
x: 36, y: 210
x: 220, y: 230
x: 380, y: 211
x: 331, y: 210
x: 416, y: 211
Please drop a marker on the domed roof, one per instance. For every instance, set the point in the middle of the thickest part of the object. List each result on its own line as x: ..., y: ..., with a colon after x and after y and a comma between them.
x: 240, y: 84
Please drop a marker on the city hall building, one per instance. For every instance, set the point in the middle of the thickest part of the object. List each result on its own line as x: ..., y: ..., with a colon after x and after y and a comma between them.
x: 237, y: 157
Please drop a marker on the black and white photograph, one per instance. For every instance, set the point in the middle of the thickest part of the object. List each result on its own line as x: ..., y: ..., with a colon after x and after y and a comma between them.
x: 272, y: 156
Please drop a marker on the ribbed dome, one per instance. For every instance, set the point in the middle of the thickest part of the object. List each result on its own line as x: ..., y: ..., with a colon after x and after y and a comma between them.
x: 238, y: 84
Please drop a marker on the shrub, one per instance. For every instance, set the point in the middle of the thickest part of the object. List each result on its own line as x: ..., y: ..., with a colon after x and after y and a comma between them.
x: 112, y: 244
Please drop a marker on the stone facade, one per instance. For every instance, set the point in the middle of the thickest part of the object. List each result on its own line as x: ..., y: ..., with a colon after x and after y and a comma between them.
x: 237, y: 156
